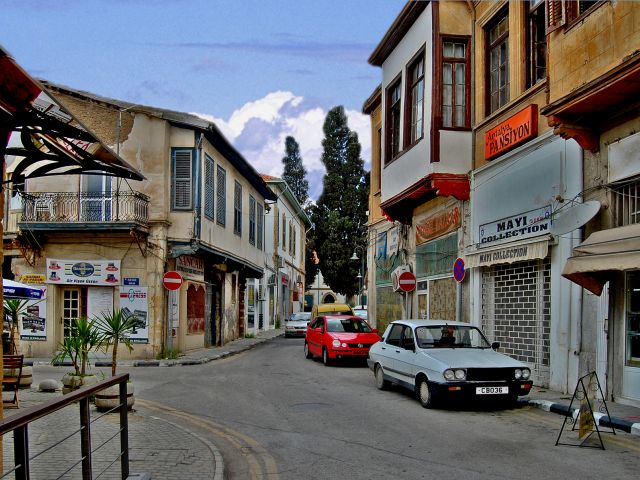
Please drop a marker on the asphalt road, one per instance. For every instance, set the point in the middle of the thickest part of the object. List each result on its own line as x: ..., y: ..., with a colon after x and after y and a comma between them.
x: 273, y: 414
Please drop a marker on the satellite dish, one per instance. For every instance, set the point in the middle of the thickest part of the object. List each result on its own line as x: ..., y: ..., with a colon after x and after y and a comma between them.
x: 573, y: 217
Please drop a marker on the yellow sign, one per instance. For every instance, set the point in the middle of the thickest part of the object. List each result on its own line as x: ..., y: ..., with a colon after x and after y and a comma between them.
x: 33, y: 279
x: 585, y: 417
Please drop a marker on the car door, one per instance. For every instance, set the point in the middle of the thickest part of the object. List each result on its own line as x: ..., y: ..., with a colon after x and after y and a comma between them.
x: 314, y: 335
x: 405, y: 356
x: 389, y: 350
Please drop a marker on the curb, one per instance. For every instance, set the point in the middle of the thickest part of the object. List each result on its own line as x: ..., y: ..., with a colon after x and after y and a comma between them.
x: 601, y: 419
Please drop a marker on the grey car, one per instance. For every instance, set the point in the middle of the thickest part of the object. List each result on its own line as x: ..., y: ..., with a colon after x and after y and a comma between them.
x: 440, y: 359
x: 296, y: 326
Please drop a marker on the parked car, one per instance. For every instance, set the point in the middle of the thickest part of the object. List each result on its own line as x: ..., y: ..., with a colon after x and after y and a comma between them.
x: 438, y: 359
x: 296, y: 325
x: 339, y: 336
x: 331, y: 309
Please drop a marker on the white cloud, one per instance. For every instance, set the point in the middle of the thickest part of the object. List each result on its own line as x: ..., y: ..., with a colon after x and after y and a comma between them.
x: 258, y: 130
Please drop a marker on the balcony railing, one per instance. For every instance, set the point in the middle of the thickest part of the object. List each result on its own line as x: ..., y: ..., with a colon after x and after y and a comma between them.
x: 85, y: 207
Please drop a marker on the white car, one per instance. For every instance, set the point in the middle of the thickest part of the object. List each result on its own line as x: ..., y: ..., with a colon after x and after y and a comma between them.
x: 438, y: 358
x: 296, y: 326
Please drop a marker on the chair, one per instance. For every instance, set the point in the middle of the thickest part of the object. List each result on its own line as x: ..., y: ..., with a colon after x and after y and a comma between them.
x: 12, y: 366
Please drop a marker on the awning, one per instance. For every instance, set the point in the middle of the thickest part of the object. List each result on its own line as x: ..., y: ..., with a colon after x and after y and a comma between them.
x: 44, y: 136
x: 21, y: 291
x: 606, y: 251
x: 509, y: 253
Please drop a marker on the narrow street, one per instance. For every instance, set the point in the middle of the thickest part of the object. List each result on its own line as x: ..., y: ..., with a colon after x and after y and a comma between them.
x: 274, y: 414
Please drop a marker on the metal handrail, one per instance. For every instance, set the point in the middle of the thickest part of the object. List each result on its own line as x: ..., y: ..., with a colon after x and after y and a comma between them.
x: 19, y: 423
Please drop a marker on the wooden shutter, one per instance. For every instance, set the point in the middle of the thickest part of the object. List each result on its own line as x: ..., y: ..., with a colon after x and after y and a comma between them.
x: 182, y: 179
x: 555, y: 11
x: 221, y: 200
x: 208, y: 187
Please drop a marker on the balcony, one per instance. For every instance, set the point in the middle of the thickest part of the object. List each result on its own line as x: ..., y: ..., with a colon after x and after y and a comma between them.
x: 84, y: 211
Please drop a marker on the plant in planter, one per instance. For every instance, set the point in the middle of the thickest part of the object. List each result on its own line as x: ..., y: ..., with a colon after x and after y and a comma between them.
x: 115, y: 328
x: 83, y: 338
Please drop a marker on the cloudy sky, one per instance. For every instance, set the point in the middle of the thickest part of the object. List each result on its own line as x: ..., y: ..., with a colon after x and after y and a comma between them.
x: 260, y: 69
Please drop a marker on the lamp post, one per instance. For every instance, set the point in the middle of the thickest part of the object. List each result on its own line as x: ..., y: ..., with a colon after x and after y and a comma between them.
x: 361, y: 272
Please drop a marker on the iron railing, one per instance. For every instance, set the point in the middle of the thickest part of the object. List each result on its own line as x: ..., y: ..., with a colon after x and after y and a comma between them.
x: 83, y: 207
x: 19, y: 423
x: 626, y: 204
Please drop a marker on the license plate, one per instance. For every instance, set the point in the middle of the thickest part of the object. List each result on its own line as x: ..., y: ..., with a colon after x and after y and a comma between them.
x: 491, y: 390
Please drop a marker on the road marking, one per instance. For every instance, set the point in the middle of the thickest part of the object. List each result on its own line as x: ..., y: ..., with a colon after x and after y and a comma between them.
x: 252, y: 451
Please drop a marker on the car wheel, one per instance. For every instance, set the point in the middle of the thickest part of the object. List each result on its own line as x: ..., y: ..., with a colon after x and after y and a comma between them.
x: 425, y: 396
x: 381, y: 383
x: 325, y: 357
x: 307, y: 353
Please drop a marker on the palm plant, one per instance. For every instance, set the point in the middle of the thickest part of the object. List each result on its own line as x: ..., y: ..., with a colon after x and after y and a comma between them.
x: 13, y: 309
x: 83, y: 338
x: 114, y: 328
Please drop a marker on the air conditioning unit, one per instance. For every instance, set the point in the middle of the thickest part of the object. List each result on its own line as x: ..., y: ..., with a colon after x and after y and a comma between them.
x: 280, y: 262
x: 272, y: 280
x: 395, y: 276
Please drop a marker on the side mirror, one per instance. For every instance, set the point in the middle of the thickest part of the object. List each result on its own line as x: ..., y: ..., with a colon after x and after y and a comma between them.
x: 495, y: 345
x: 374, y: 330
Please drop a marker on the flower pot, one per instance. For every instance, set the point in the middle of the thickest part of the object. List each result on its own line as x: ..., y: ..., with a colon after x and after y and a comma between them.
x: 110, y: 397
x: 71, y: 381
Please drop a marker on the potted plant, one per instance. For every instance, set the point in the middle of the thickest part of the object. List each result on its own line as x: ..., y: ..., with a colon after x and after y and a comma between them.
x: 115, y: 328
x: 13, y: 310
x: 82, y: 339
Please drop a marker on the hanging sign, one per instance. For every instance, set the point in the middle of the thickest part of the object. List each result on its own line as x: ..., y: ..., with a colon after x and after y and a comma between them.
x: 514, y: 131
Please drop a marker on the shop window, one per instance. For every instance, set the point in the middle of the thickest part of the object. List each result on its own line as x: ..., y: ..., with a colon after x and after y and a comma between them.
x: 455, y: 83
x: 497, y: 41
x: 413, y: 122
x: 195, y: 309
x: 393, y: 119
x: 632, y: 350
x: 536, y: 43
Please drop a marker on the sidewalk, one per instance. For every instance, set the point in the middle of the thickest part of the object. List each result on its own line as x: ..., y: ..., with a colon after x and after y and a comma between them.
x: 153, y: 440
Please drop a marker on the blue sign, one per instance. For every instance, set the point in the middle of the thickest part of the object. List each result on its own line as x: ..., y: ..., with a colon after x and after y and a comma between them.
x: 131, y: 281
x: 458, y: 270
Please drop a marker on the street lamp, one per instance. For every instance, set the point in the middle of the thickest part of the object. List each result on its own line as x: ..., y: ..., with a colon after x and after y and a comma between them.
x: 360, y: 276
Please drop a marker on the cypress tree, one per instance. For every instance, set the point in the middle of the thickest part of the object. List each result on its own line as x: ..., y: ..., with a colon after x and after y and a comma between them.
x: 294, y: 172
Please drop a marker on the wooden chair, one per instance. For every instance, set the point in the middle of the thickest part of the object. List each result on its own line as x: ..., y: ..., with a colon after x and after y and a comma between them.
x: 12, y: 366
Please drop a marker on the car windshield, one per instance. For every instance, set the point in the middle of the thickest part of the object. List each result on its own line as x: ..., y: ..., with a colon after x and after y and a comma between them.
x: 349, y: 325
x: 338, y: 312
x: 451, y: 336
x: 302, y: 316
x: 361, y: 313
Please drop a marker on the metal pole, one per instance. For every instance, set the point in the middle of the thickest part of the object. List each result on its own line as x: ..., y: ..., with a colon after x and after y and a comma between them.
x: 21, y: 453
x: 124, y: 432
x: 85, y: 438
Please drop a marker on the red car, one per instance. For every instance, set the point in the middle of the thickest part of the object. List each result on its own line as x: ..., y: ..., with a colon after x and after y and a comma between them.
x: 339, y: 336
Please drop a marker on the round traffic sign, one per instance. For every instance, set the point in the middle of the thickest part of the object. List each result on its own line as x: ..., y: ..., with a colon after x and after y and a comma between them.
x: 458, y: 270
x: 172, y: 280
x: 407, y: 282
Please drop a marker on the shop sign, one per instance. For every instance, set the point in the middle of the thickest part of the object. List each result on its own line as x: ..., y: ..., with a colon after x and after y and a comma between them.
x: 190, y: 267
x: 285, y: 279
x: 524, y: 225
x: 134, y: 302
x: 32, y: 279
x: 83, y: 272
x: 437, y: 225
x: 514, y: 131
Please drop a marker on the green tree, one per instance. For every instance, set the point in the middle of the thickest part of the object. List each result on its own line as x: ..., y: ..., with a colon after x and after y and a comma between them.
x: 294, y: 172
x: 339, y: 215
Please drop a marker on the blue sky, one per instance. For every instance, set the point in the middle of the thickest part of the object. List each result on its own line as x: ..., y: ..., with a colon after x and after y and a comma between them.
x: 260, y: 69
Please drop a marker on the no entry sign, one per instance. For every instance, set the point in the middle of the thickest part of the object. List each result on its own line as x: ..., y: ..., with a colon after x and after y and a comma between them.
x: 407, y: 282
x: 172, y: 280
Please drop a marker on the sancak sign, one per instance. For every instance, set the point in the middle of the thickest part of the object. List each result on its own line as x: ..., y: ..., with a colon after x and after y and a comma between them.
x: 523, y: 225
x: 515, y: 131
